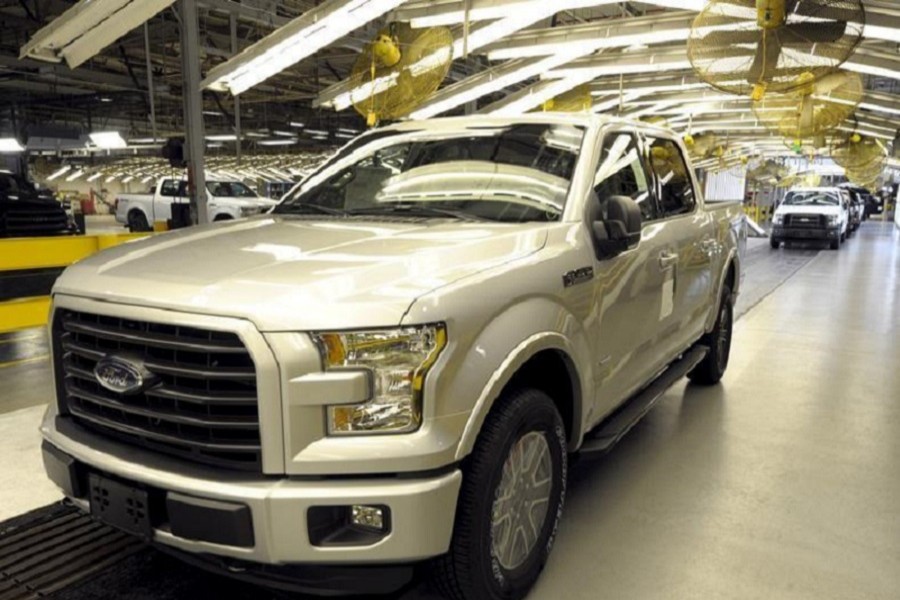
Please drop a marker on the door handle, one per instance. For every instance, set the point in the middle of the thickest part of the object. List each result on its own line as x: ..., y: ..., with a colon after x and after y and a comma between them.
x: 667, y: 260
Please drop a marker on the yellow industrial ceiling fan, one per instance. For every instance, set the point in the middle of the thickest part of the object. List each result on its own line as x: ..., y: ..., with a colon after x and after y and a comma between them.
x: 399, y: 70
x: 751, y: 47
x: 814, y: 108
x: 854, y: 151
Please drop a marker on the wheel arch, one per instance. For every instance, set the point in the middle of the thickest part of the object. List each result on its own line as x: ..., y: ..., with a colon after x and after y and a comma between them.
x: 543, y: 361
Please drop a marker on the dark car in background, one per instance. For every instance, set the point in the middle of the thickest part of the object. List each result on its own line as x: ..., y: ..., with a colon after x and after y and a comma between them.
x: 26, y: 210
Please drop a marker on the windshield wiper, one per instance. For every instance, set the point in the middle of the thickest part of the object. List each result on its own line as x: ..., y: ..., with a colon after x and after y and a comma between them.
x: 308, y: 207
x: 416, y: 210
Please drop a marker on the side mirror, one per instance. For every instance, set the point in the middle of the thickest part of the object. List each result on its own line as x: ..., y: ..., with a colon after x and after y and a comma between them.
x: 620, y: 231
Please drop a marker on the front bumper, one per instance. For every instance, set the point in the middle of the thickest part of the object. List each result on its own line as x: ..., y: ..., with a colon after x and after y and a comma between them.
x: 422, y: 507
x: 779, y: 232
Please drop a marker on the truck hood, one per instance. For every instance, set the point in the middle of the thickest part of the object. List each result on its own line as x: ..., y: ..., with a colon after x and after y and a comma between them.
x: 296, y: 274
x: 821, y: 209
x: 242, y: 202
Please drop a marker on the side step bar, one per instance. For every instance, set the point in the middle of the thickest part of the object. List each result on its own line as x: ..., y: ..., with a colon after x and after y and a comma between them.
x: 603, y: 437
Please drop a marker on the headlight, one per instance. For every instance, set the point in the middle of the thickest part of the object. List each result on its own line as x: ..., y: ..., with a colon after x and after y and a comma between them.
x: 398, y: 360
x: 778, y: 219
x: 833, y: 219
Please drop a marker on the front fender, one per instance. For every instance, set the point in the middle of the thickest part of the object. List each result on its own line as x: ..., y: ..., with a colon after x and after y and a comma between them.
x: 498, y: 351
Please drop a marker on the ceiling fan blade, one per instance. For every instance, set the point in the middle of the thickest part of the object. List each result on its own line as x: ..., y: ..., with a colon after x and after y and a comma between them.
x: 824, y: 9
x: 811, y: 33
x: 765, y: 63
x: 730, y: 38
x: 830, y: 83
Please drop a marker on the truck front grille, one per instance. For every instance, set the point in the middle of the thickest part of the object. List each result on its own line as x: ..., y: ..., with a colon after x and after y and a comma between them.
x: 806, y: 221
x: 29, y: 221
x: 201, y: 404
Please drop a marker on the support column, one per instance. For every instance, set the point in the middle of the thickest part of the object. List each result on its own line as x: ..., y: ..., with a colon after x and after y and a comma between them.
x: 195, y: 143
x: 237, y: 99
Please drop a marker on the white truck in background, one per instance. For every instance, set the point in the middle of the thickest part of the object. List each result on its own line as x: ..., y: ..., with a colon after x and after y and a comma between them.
x: 812, y: 214
x: 227, y: 200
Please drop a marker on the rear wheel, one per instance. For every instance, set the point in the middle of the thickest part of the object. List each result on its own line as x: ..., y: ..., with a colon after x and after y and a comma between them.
x: 510, y: 502
x: 710, y: 370
x: 137, y: 222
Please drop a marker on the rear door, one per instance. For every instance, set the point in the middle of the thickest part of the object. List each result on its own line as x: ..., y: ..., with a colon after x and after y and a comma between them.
x: 162, y: 201
x: 628, y: 288
x: 688, y: 247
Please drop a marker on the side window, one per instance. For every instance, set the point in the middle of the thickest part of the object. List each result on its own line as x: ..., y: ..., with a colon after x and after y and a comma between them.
x: 676, y: 191
x: 169, y: 188
x: 621, y: 173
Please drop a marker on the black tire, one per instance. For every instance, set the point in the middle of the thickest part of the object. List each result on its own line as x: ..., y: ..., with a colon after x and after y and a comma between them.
x: 137, y: 222
x: 843, y: 237
x: 711, y: 369
x: 776, y: 244
x: 472, y: 569
x: 836, y: 244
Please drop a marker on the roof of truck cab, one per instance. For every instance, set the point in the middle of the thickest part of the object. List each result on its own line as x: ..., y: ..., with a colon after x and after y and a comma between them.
x: 555, y: 118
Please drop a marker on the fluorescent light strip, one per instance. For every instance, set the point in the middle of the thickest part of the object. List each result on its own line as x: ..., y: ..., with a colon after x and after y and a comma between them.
x: 10, y: 145
x: 284, y: 142
x: 451, y: 100
x: 537, y: 97
x: 94, y: 177
x: 476, y: 13
x: 108, y: 140
x: 299, y: 39
x: 75, y: 175
x: 227, y: 137
x: 62, y: 171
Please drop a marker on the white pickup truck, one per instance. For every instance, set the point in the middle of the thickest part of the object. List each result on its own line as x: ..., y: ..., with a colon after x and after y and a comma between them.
x: 393, y: 367
x: 812, y: 214
x: 227, y: 200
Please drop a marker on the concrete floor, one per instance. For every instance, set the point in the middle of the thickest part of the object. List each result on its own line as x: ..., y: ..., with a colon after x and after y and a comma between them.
x: 783, y: 482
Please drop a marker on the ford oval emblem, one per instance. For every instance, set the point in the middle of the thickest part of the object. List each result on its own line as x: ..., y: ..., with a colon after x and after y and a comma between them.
x: 120, y: 375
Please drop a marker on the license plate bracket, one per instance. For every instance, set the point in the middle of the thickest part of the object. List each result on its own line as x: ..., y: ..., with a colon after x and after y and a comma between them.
x: 121, y: 506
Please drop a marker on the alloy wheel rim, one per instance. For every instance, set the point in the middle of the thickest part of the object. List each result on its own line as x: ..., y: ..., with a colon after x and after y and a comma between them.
x: 521, y: 500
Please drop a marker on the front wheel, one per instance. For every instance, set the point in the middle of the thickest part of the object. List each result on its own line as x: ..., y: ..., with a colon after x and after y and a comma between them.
x: 774, y: 243
x: 710, y: 370
x: 510, y: 503
x: 836, y: 244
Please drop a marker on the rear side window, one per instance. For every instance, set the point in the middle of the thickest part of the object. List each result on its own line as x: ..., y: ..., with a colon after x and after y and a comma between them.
x: 676, y: 190
x: 622, y: 173
x: 169, y: 188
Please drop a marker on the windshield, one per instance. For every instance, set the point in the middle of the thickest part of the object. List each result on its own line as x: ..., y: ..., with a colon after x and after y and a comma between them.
x: 810, y: 198
x: 514, y: 174
x: 230, y: 189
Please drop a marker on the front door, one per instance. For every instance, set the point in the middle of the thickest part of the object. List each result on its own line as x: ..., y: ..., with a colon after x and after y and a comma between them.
x: 629, y: 289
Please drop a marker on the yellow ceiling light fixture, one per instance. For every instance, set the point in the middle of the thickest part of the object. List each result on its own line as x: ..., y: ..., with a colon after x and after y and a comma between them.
x: 398, y: 70
x: 757, y: 47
